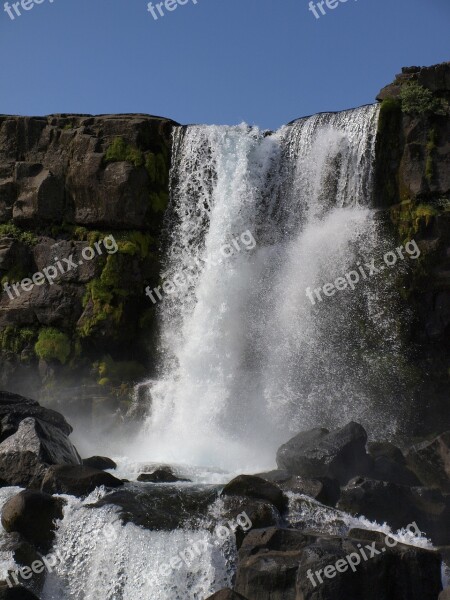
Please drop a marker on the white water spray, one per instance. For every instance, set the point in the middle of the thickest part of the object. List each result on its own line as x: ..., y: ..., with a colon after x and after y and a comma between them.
x: 247, y: 359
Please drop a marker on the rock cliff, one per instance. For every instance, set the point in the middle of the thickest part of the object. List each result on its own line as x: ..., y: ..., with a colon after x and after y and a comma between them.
x: 69, y: 181
x: 413, y: 186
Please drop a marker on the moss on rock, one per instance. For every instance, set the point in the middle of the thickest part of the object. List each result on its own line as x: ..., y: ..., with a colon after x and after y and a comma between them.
x: 53, y: 344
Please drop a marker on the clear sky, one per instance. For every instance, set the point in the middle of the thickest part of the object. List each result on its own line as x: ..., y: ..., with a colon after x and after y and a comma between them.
x: 265, y: 62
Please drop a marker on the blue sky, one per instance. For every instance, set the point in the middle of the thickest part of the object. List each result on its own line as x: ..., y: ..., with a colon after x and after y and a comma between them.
x: 265, y: 62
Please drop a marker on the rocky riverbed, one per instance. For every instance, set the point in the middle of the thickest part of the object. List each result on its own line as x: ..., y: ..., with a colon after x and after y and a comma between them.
x: 310, y: 527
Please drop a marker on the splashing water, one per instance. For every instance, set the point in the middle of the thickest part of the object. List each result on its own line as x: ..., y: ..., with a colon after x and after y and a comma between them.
x: 248, y: 360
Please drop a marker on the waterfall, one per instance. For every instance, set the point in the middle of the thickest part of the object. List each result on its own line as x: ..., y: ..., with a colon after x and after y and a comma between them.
x: 99, y: 558
x: 247, y: 360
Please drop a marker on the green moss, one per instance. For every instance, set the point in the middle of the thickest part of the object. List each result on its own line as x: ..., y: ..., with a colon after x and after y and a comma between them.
x: 409, y: 218
x: 11, y: 230
x: 119, y: 150
x: 115, y: 373
x: 159, y: 201
x: 107, y: 294
x: 137, y: 243
x: 430, y: 170
x: 16, y: 339
x: 15, y: 274
x: 53, y: 344
x: 157, y: 168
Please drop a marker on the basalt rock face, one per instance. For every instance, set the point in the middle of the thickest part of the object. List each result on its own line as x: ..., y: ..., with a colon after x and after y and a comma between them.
x: 413, y: 186
x: 67, y: 182
x: 282, y: 564
x: 32, y: 438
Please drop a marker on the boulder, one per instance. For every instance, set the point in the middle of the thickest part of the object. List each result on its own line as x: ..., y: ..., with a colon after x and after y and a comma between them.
x: 387, y: 450
x: 226, y: 594
x: 250, y: 486
x: 15, y: 408
x: 399, y: 506
x: 24, y: 555
x: 386, y: 469
x: 430, y: 461
x: 33, y: 515
x: 260, y: 514
x: 339, y: 454
x: 162, y: 475
x: 16, y: 592
x: 281, y: 564
x: 99, y: 462
x: 76, y: 480
x: 25, y: 455
x: 160, y: 508
x: 322, y: 489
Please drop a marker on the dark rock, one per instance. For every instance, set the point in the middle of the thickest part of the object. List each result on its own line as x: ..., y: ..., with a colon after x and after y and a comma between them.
x: 226, y: 594
x: 66, y: 176
x: 322, y: 489
x: 16, y: 592
x: 25, y: 455
x: 33, y: 515
x: 274, y: 565
x: 430, y: 461
x: 399, y: 506
x: 386, y: 450
x: 99, y: 462
x: 15, y: 408
x: 400, y: 573
x: 251, y: 486
x: 275, y: 539
x: 339, y: 454
x: 386, y: 469
x: 163, y: 475
x: 76, y: 480
x: 22, y: 551
x: 260, y: 513
x: 412, y: 173
x: 160, y: 508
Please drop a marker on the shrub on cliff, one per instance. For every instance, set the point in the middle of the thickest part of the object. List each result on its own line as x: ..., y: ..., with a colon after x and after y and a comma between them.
x: 53, y: 345
x: 418, y: 100
x: 119, y: 150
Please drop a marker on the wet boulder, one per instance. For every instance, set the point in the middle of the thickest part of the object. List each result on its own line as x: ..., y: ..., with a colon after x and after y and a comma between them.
x: 76, y: 480
x: 26, y: 454
x: 339, y: 454
x: 323, y: 489
x: 253, y: 513
x: 160, y: 508
x: 251, y: 486
x: 16, y: 592
x: 430, y: 461
x: 24, y: 555
x: 399, y: 506
x: 102, y: 463
x: 33, y: 514
x: 282, y: 564
x: 386, y: 469
x: 226, y: 594
x: 162, y: 475
x: 386, y: 450
x: 15, y: 408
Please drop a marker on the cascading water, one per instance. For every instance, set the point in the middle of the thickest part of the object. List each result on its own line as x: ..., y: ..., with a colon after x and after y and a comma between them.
x: 247, y: 358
